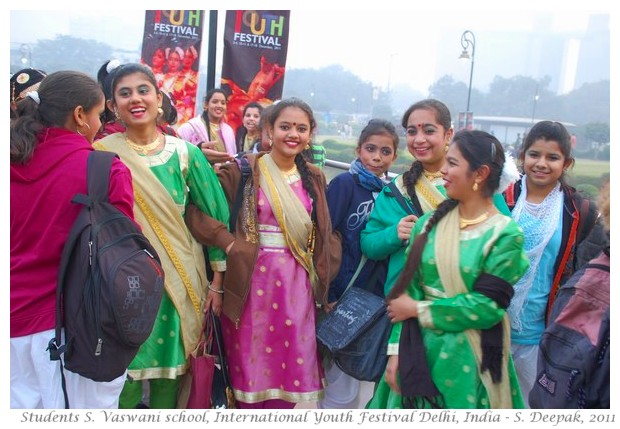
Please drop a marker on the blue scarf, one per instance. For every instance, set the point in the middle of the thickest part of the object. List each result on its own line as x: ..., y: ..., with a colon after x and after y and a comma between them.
x: 365, y: 178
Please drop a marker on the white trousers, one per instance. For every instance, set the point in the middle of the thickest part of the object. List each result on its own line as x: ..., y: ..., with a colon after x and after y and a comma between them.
x: 344, y: 391
x: 36, y: 381
x: 525, y: 359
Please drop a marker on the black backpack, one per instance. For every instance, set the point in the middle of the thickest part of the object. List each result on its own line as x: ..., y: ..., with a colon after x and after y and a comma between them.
x: 110, y: 284
x: 574, y: 358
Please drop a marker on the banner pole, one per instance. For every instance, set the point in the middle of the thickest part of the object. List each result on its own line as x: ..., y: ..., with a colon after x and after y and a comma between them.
x: 212, y: 49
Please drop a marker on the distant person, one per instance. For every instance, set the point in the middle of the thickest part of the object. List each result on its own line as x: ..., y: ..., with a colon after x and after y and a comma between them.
x: 351, y: 198
x: 249, y: 132
x: 209, y: 131
x: 555, y: 222
x: 23, y: 82
x: 50, y: 142
x: 110, y: 120
x: 316, y: 154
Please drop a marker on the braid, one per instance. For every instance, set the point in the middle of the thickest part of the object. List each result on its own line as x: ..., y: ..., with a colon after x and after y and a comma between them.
x: 415, y: 254
x: 305, y: 174
x: 205, y: 117
x: 411, y: 176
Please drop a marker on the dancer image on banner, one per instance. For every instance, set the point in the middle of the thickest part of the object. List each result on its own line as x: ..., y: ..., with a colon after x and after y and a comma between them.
x: 180, y: 79
x: 267, y: 76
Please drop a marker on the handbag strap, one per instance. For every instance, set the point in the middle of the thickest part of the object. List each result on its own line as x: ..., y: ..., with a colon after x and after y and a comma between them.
x: 220, y: 348
x: 360, y: 266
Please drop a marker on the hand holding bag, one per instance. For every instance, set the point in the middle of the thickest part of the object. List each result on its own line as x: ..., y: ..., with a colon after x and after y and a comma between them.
x: 356, y: 332
x: 196, y: 385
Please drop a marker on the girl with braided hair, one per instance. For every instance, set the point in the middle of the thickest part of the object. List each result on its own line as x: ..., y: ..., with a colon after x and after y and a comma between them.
x: 451, y: 331
x: 282, y: 260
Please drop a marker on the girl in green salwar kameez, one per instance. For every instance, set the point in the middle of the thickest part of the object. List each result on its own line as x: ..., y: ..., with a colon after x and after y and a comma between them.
x: 451, y: 331
x: 167, y: 174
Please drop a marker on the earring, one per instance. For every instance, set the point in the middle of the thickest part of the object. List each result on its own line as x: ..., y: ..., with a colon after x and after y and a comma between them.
x: 307, y: 147
x: 475, y: 187
x: 77, y: 129
x: 116, y: 115
x: 446, y: 147
x: 270, y: 143
x: 160, y: 111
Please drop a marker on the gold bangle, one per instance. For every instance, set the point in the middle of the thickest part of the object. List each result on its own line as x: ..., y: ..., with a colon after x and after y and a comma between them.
x: 220, y: 291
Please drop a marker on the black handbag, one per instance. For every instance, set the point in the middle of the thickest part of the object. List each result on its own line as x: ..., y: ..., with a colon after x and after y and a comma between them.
x: 356, y: 332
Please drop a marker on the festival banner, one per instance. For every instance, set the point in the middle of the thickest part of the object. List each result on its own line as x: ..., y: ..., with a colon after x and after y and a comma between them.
x: 254, y: 59
x: 171, y: 47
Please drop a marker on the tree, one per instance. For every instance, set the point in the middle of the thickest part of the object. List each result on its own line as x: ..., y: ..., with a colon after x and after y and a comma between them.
x: 71, y: 53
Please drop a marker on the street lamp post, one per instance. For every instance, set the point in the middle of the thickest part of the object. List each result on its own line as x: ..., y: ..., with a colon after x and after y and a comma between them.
x: 535, y: 101
x: 468, y: 39
x: 26, y: 52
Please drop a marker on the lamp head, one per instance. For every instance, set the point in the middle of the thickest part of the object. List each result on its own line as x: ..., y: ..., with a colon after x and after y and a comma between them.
x: 464, y: 55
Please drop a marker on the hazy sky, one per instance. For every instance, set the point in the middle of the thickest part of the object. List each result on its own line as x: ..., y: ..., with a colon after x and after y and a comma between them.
x: 390, y: 46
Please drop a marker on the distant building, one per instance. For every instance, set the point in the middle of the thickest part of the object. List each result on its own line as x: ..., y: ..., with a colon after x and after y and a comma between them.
x: 509, y: 130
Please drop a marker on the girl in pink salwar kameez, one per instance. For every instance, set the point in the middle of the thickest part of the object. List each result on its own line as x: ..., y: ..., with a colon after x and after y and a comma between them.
x: 282, y: 260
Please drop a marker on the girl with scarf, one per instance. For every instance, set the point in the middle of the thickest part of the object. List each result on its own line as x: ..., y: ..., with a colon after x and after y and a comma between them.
x: 428, y: 129
x: 550, y: 214
x: 450, y: 300
x: 167, y: 174
x: 351, y: 198
x: 285, y: 255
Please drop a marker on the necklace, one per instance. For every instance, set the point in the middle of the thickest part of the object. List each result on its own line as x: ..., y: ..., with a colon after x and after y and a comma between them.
x: 464, y: 223
x: 144, y: 149
x: 290, y: 172
x: 433, y: 175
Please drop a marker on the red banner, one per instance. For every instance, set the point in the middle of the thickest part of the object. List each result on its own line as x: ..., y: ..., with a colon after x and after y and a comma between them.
x: 171, y: 47
x: 254, y: 60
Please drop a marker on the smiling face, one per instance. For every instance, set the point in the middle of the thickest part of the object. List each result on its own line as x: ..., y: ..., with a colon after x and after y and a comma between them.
x: 251, y: 118
x: 216, y: 107
x: 136, y: 100
x: 377, y: 153
x: 291, y: 133
x: 543, y: 164
x: 427, y: 138
x: 458, y: 179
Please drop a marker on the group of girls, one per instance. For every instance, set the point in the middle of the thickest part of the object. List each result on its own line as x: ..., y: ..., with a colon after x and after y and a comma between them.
x: 293, y: 247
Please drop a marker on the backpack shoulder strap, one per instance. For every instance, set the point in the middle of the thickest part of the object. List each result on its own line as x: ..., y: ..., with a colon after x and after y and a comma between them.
x: 399, y: 197
x: 509, y: 196
x: 98, y: 172
x: 587, y: 219
x: 246, y: 171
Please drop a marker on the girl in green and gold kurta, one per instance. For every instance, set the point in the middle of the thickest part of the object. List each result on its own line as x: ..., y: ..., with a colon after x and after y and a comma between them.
x: 167, y: 174
x: 450, y: 344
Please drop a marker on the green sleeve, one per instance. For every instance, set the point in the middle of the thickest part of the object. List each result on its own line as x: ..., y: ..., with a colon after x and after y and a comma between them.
x: 379, y: 239
x: 507, y: 260
x: 206, y: 192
